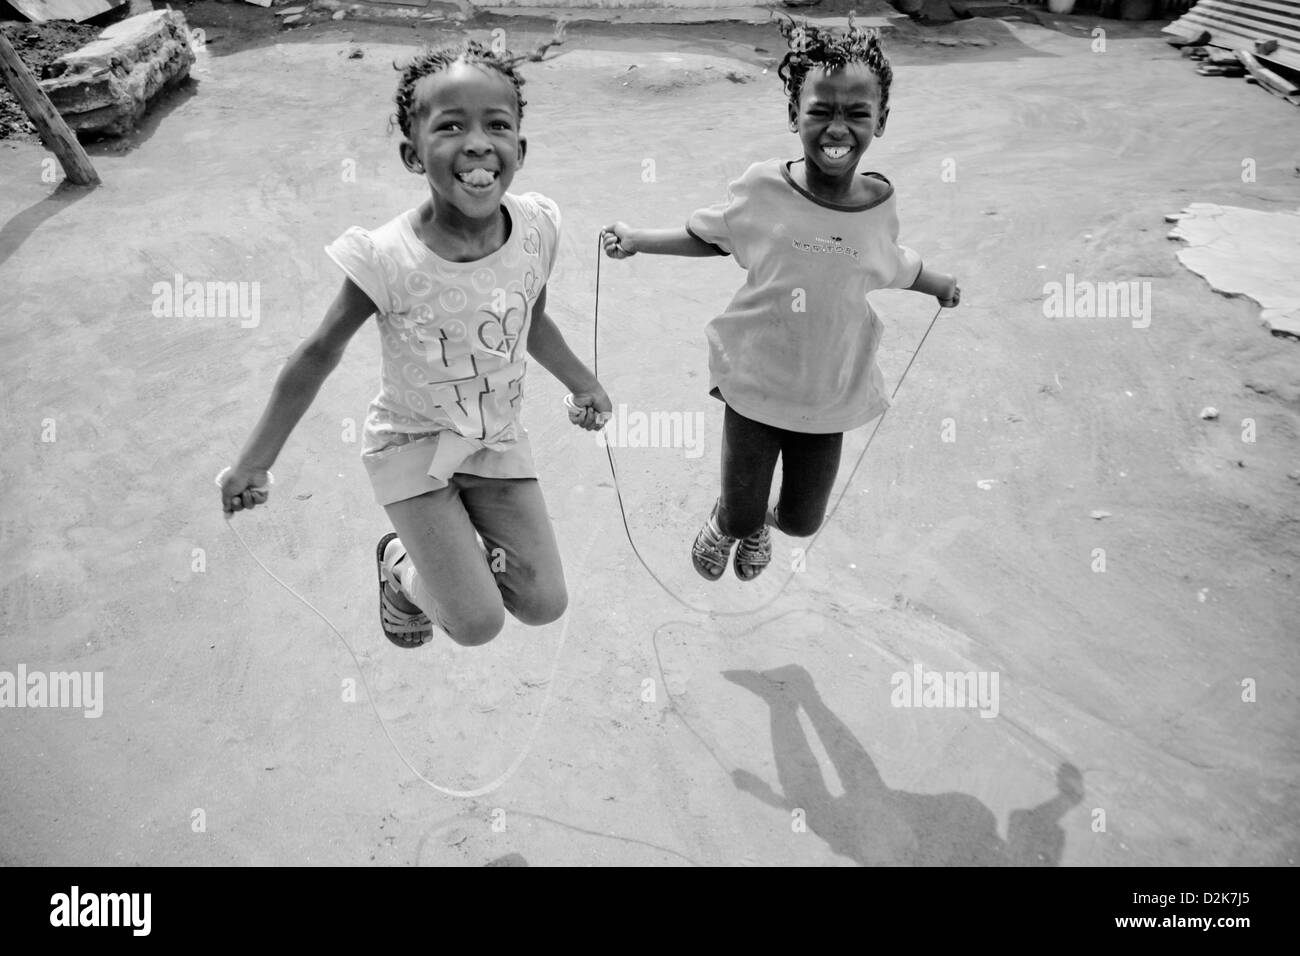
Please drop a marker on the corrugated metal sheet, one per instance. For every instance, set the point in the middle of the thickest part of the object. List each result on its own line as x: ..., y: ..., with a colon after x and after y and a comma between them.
x: 1234, y: 24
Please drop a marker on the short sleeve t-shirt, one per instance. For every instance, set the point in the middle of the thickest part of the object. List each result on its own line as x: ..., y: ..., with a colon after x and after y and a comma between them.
x: 796, y: 347
x: 454, y: 334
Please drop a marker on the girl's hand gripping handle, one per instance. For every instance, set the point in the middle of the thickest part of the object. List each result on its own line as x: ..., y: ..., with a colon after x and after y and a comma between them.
x: 243, y: 487
x: 617, y: 239
x: 951, y: 298
x: 589, y: 410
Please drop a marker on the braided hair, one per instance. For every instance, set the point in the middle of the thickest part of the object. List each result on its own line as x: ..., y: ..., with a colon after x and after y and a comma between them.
x: 813, y: 47
x: 429, y: 61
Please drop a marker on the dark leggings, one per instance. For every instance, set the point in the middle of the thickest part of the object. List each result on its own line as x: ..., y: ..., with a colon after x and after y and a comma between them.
x: 749, y: 453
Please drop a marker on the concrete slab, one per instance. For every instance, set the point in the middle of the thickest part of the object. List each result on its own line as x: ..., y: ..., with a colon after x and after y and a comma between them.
x: 107, y: 86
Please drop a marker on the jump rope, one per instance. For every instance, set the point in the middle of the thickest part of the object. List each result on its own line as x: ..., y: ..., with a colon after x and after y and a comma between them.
x: 260, y: 494
x: 595, y: 370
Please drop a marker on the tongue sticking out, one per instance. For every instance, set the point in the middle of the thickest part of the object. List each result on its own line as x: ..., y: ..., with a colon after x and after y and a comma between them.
x: 477, y: 177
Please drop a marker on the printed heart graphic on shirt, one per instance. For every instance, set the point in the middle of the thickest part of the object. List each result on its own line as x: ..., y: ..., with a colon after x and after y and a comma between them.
x: 532, y: 281
x: 533, y: 242
x: 500, y: 336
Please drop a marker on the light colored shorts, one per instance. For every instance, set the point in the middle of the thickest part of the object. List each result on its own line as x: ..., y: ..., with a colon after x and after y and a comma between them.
x: 403, y: 466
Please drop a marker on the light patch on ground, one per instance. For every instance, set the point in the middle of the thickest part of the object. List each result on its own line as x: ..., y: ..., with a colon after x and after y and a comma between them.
x: 1246, y: 252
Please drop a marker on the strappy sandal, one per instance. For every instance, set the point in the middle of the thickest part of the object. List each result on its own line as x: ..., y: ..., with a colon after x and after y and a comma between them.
x: 753, y: 554
x: 403, y: 628
x: 711, y: 549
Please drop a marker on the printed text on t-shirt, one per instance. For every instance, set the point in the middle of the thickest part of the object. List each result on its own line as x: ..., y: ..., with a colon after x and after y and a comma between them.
x: 833, y: 246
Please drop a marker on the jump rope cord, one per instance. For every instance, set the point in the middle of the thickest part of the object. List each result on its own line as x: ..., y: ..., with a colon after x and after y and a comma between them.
x: 448, y: 791
x: 564, y: 631
x: 613, y: 470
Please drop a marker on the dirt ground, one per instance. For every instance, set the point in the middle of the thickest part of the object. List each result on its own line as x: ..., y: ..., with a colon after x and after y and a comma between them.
x: 1127, y: 732
x: 38, y: 45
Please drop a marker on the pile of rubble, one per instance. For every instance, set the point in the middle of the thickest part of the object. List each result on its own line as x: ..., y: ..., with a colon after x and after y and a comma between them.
x: 1239, y: 63
x: 105, y: 87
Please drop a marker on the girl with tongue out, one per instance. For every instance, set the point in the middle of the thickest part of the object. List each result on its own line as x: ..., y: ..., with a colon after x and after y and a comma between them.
x: 457, y: 286
x: 794, y: 354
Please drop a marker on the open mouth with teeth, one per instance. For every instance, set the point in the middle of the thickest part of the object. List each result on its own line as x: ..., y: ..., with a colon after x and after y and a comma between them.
x: 478, y: 179
x: 835, y: 152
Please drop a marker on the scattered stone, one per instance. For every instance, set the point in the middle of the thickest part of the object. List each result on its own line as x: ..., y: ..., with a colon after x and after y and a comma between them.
x: 338, y: 15
x: 1098, y: 515
x: 106, y: 86
x: 292, y: 18
x: 356, y: 53
x: 304, y: 496
x: 1209, y: 413
x: 1201, y: 594
x: 986, y: 484
x: 290, y: 11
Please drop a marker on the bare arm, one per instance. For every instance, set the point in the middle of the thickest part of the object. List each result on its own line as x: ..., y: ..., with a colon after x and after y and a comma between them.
x: 546, y: 344
x: 938, y: 284
x: 621, y: 241
x: 294, y: 391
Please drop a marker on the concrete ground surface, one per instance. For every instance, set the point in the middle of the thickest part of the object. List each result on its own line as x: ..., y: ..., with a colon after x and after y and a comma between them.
x: 1146, y: 668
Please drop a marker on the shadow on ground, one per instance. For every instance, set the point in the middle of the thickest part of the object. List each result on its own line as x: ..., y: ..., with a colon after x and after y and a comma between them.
x: 873, y: 824
x: 159, y: 109
x: 21, y: 225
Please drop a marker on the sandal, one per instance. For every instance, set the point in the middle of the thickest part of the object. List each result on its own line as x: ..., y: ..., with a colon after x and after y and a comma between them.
x: 753, y: 554
x: 401, y: 627
x: 711, y: 549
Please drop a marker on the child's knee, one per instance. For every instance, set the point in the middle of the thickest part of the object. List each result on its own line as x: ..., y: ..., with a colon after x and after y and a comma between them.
x: 542, y: 607
x: 477, y: 627
x: 801, y: 526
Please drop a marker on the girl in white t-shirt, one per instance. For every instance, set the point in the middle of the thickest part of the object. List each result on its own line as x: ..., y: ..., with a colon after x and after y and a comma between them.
x: 794, y: 355
x: 458, y: 285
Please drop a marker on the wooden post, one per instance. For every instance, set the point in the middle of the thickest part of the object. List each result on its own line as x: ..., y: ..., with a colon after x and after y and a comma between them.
x: 55, y: 133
